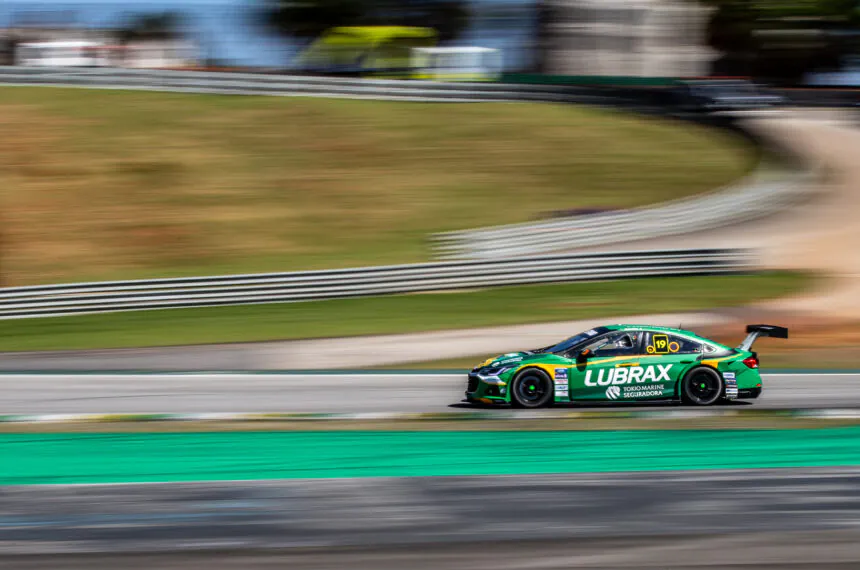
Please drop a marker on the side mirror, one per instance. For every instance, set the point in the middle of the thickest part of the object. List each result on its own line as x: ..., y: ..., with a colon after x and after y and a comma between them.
x: 584, y: 354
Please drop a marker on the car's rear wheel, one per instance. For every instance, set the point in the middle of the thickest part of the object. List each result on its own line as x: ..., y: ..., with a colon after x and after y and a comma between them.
x: 702, y: 387
x: 532, y: 388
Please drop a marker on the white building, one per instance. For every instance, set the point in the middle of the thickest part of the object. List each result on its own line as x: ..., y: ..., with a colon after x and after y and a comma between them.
x: 154, y: 54
x: 60, y: 53
x: 97, y: 48
x: 644, y: 38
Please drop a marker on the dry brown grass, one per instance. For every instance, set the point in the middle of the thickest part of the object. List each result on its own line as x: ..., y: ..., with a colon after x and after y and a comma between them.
x: 101, y: 184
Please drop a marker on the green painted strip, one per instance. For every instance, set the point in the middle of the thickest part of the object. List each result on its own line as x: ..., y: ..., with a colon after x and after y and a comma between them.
x: 489, y: 415
x: 119, y: 457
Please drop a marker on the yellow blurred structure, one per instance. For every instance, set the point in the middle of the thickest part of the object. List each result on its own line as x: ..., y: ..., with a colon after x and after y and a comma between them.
x: 378, y: 51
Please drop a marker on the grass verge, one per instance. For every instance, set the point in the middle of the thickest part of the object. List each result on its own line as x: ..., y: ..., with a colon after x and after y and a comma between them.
x: 99, y: 184
x: 396, y: 313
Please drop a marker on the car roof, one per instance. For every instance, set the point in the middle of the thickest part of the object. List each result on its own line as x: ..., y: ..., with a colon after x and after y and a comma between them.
x: 668, y: 330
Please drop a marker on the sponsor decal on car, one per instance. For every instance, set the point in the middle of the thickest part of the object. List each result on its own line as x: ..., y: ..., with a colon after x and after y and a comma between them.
x: 731, y: 385
x: 661, y: 344
x: 638, y: 374
x: 645, y: 391
x: 561, y: 387
x: 642, y: 391
x: 507, y: 361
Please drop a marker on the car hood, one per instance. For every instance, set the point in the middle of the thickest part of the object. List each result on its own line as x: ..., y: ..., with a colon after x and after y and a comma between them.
x: 521, y: 358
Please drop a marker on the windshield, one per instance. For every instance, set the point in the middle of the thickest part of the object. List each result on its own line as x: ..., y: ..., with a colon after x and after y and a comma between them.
x: 574, y: 341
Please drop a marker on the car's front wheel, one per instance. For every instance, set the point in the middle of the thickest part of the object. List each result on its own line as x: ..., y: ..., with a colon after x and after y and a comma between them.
x: 532, y: 388
x: 702, y: 387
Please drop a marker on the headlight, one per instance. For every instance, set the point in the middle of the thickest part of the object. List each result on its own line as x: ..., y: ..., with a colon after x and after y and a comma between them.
x: 491, y: 375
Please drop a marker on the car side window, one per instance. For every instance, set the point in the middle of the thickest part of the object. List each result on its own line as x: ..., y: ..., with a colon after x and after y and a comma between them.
x: 618, y: 344
x: 660, y: 343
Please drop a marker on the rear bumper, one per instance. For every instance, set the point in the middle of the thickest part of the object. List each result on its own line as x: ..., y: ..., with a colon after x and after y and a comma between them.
x: 749, y: 393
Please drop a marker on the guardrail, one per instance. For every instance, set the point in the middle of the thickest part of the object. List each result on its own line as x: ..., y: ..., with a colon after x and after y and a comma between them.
x: 273, y: 84
x: 113, y: 296
x: 280, y: 84
x: 746, y: 201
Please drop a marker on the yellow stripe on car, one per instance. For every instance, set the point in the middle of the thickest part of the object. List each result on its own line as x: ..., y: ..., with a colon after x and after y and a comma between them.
x: 713, y: 361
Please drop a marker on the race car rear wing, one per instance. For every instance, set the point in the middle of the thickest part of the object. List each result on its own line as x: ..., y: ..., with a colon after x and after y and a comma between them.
x: 755, y: 331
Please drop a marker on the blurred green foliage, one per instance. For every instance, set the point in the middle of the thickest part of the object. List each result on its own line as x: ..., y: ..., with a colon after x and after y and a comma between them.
x: 310, y: 18
x: 780, y: 41
x: 156, y: 26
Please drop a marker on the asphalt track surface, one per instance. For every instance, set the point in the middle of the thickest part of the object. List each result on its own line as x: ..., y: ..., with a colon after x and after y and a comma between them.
x: 331, y: 393
x: 580, y: 510
x: 821, y: 550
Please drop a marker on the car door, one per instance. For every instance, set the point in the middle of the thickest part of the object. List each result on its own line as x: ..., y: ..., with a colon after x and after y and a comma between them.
x: 610, y: 359
x: 670, y: 356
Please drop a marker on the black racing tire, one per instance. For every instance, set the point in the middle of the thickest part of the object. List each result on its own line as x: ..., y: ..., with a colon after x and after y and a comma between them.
x: 702, y: 386
x: 531, y: 388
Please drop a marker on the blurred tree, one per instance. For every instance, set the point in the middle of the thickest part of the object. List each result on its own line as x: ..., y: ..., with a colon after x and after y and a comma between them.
x: 160, y: 26
x: 781, y: 40
x: 450, y: 18
x: 307, y: 19
x: 730, y: 31
x: 542, y: 41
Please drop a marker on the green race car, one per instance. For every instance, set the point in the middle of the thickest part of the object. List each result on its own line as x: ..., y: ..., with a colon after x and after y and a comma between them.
x: 623, y: 363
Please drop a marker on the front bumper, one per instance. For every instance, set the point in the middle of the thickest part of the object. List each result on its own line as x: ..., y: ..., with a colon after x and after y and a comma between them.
x: 479, y: 389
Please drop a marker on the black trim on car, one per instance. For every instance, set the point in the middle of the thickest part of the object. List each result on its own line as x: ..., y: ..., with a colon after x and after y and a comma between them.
x: 749, y: 393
